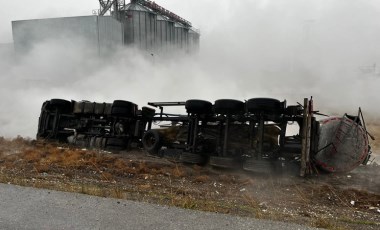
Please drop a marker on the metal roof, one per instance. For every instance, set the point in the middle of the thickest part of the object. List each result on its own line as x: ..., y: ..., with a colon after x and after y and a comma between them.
x: 163, y: 18
x: 138, y: 7
x: 177, y: 24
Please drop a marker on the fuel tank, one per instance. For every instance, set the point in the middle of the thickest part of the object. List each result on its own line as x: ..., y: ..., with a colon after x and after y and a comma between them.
x: 342, y: 145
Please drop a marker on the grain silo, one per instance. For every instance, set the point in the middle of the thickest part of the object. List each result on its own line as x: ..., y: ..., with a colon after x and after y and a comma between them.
x: 140, y: 23
x: 164, y: 33
x: 139, y: 26
x: 194, y: 37
x: 176, y: 28
x: 181, y: 33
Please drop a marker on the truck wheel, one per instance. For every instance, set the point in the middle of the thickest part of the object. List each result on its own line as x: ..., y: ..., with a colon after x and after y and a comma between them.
x: 228, y: 106
x: 99, y: 142
x: 148, y: 113
x: 265, y: 105
x: 192, y: 158
x: 124, y: 108
x: 63, y: 105
x: 152, y: 141
x: 224, y: 162
x: 293, y: 110
x: 198, y: 106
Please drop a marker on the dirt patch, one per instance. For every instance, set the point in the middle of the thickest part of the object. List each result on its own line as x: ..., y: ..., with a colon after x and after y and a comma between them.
x: 344, y: 201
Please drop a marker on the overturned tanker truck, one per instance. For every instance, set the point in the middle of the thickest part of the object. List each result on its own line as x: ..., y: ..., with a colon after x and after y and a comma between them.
x: 227, y: 134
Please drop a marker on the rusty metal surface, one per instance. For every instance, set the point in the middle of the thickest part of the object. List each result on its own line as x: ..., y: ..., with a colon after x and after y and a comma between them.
x: 342, y: 146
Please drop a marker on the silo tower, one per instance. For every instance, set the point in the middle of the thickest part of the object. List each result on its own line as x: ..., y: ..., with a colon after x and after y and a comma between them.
x: 151, y: 27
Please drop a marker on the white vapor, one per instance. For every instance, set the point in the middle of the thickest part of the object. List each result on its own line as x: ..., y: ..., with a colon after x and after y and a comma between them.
x: 265, y: 48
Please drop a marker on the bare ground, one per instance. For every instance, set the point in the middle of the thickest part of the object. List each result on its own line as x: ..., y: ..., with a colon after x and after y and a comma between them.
x: 340, y: 201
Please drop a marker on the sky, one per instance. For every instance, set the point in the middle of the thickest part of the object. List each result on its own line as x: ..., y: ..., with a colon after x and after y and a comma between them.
x: 249, y: 48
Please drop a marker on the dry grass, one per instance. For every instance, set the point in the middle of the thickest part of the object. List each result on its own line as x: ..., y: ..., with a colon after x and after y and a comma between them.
x: 178, y: 171
x: 326, y: 224
x: 227, y: 178
x: 187, y: 202
x: 202, y: 179
x: 118, y: 193
x: 253, y: 204
x: 101, y: 174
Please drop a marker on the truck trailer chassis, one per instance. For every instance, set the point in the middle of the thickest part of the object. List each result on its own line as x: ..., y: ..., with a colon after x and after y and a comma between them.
x: 227, y: 133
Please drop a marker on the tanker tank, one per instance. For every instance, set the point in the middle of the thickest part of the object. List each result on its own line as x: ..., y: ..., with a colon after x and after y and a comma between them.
x: 343, y: 144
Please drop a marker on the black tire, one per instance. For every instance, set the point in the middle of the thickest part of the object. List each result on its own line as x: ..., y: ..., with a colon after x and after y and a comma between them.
x: 45, y: 106
x: 198, y: 106
x: 124, y: 108
x: 192, y: 158
x: 99, y: 142
x: 89, y: 108
x: 92, y: 143
x: 120, y: 103
x: 108, y: 109
x: 258, y: 166
x: 41, y: 132
x: 152, y: 141
x: 148, y: 113
x: 293, y: 110
x: 228, y: 106
x: 59, y: 102
x: 224, y: 162
x: 63, y: 106
x: 265, y: 105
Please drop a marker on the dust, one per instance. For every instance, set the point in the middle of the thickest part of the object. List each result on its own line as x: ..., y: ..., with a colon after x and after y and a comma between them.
x: 374, y: 129
x: 249, y: 49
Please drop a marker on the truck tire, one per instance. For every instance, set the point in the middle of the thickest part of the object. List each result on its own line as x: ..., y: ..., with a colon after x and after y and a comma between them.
x: 228, y: 106
x: 148, y: 113
x: 63, y: 106
x: 264, y: 105
x: 98, y: 142
x: 293, y: 110
x: 124, y: 108
x: 198, y: 106
x: 152, y: 141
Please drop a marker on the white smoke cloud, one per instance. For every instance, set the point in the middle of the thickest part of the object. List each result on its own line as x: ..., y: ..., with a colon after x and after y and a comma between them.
x: 283, y: 49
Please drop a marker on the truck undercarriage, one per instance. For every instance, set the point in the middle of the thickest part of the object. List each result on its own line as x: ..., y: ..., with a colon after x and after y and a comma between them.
x: 252, y: 135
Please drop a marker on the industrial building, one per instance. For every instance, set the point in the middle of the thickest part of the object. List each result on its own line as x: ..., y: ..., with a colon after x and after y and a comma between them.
x: 97, y: 33
x: 142, y: 24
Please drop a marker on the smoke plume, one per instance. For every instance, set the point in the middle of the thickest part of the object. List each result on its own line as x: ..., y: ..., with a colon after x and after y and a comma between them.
x: 281, y: 49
